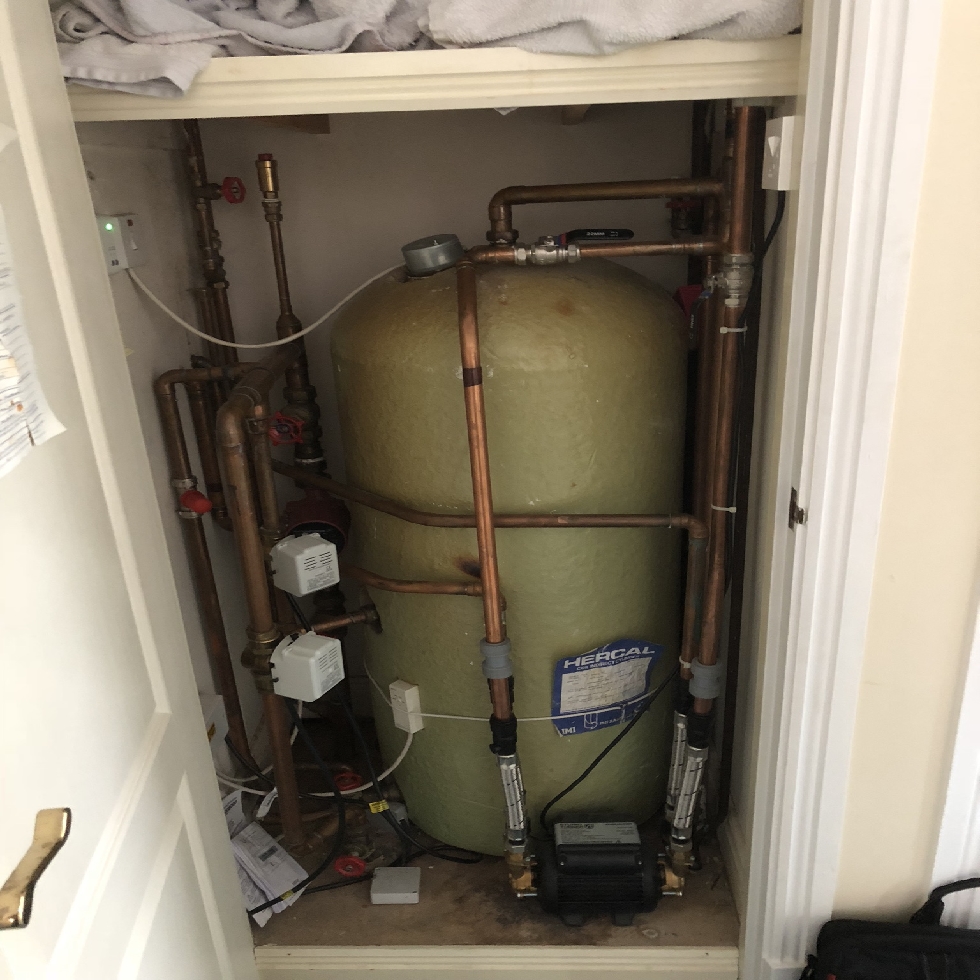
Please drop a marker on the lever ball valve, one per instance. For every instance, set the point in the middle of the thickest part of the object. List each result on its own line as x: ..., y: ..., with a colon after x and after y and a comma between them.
x: 195, y: 501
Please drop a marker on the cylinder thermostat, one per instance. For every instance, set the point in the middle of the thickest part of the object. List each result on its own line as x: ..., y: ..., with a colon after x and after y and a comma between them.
x: 426, y: 256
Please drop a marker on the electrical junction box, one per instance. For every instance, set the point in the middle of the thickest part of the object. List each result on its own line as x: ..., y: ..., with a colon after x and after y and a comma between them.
x: 396, y: 886
x: 304, y: 563
x: 215, y: 718
x: 597, y: 866
x: 121, y: 239
x: 406, y: 706
x: 306, y: 667
x: 779, y: 166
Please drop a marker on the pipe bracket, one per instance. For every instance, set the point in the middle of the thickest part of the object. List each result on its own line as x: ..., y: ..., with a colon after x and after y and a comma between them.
x: 707, y: 680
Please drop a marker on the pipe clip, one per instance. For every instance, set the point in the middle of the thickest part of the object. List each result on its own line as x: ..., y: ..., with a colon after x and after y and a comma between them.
x: 707, y: 680
x: 497, y: 664
x: 546, y: 251
x: 189, y: 484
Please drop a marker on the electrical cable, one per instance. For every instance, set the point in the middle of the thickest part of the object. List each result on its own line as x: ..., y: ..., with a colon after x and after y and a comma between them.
x: 386, y: 813
x: 272, y: 343
x: 338, y: 841
x: 595, y: 762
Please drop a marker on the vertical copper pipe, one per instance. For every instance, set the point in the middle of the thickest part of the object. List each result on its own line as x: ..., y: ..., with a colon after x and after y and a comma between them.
x: 199, y: 558
x: 209, y: 242
x: 300, y: 394
x: 739, y: 243
x: 476, y: 427
x: 197, y: 398
x: 265, y: 481
x: 247, y: 396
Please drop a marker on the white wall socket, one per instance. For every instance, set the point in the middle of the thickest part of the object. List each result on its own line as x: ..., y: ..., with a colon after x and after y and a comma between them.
x: 121, y: 241
x: 780, y: 170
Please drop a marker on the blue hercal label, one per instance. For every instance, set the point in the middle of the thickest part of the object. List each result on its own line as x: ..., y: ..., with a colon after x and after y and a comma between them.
x: 603, y: 687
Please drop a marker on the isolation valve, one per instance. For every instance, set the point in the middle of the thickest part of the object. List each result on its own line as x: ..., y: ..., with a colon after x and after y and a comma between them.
x: 233, y: 190
x: 284, y: 430
x: 195, y: 502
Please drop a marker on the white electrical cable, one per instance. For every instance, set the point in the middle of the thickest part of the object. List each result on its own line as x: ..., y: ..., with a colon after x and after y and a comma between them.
x: 272, y: 343
x: 426, y: 714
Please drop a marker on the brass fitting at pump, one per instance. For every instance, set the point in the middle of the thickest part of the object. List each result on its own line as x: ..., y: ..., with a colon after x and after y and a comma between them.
x: 257, y: 657
x: 520, y: 873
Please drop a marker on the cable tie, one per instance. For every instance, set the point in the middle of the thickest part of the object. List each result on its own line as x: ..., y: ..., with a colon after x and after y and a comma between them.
x: 685, y: 664
x: 378, y: 806
x: 734, y: 330
x: 726, y: 510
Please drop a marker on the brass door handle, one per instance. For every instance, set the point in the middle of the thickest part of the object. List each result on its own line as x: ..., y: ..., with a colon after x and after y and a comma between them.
x: 16, y: 896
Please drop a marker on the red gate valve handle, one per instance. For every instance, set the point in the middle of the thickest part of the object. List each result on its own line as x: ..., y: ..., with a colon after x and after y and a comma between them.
x: 233, y: 190
x: 284, y: 430
x: 195, y: 501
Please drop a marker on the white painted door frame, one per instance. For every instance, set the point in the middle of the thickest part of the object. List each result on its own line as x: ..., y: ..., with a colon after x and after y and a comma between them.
x: 868, y: 97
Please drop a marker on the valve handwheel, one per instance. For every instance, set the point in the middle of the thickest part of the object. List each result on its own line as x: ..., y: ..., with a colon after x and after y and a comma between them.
x: 233, y: 190
x: 347, y: 781
x: 284, y: 430
x: 349, y: 866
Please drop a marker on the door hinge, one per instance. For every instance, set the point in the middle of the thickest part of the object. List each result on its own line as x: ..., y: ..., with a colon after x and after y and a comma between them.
x: 797, y: 515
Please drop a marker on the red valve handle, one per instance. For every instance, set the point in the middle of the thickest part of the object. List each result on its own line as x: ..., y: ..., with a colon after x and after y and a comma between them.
x: 284, y: 430
x: 195, y: 501
x: 233, y: 190
x: 348, y: 780
x: 349, y: 866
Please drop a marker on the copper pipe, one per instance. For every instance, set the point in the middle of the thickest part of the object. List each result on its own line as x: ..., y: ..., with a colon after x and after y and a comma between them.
x: 265, y: 483
x: 365, y: 577
x: 428, y: 519
x: 476, y: 426
x: 366, y: 614
x: 507, y: 255
x: 300, y: 394
x: 739, y: 243
x: 501, y: 204
x: 248, y: 396
x: 210, y: 471
x: 209, y: 242
x: 199, y: 557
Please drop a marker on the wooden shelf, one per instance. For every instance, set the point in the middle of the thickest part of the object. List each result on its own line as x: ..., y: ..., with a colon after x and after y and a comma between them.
x: 462, y: 79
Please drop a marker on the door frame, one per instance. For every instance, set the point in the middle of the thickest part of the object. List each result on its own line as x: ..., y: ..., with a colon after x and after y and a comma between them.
x: 869, y: 83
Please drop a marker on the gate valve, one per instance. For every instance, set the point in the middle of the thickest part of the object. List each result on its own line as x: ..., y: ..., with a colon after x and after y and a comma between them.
x: 284, y: 430
x: 195, y: 502
x: 349, y: 866
x: 233, y: 190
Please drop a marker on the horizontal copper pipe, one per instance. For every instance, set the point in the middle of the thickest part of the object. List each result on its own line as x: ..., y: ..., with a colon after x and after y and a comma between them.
x: 506, y: 254
x: 303, y: 478
x: 501, y: 227
x: 366, y: 614
x: 365, y: 577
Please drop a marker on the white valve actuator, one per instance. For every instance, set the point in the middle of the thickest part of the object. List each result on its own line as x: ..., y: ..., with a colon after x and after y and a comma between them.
x: 305, y: 563
x: 305, y: 668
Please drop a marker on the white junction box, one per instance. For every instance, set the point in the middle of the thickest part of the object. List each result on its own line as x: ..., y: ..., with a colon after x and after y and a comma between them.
x: 406, y: 706
x: 304, y: 563
x: 121, y: 241
x: 305, y: 668
x: 396, y: 886
x: 779, y: 165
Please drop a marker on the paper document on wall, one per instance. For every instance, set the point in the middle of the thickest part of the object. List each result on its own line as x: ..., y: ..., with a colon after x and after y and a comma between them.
x: 25, y: 418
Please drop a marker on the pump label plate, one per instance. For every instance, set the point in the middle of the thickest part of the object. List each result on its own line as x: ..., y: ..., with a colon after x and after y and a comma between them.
x: 603, y: 687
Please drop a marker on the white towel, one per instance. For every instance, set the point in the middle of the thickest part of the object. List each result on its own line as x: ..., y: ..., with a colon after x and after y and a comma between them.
x: 157, y: 47
x: 604, y: 26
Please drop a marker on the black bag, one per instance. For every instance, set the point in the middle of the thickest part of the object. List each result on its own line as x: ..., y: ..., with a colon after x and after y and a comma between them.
x: 852, y: 949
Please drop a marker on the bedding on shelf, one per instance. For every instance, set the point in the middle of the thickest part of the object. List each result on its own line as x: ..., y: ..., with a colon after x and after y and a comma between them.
x: 157, y: 47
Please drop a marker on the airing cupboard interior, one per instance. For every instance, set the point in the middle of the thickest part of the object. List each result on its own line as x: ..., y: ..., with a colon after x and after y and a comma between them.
x: 528, y: 466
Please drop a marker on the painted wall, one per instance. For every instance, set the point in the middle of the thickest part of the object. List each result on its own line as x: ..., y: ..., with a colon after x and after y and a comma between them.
x: 926, y: 575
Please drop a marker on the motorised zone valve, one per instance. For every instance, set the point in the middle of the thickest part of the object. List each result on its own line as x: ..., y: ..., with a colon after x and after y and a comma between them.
x: 304, y: 563
x: 306, y: 667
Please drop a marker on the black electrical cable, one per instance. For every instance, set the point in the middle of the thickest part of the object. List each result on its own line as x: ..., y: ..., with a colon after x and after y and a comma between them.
x: 245, y: 762
x: 338, y: 841
x: 595, y: 762
x: 298, y: 612
x: 387, y: 814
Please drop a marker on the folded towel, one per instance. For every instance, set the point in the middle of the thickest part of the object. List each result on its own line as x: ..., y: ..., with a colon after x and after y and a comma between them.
x: 157, y: 47
x: 603, y: 26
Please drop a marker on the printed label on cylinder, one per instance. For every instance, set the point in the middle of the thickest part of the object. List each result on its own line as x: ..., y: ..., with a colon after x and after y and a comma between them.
x: 603, y: 687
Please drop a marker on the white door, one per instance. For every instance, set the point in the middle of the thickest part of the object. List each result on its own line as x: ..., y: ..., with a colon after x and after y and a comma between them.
x: 98, y: 707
